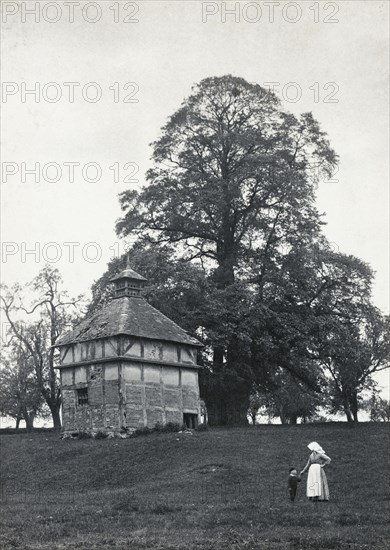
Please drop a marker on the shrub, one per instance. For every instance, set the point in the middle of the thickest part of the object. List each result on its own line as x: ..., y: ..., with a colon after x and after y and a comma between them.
x: 158, y: 427
x: 169, y: 427
x: 172, y: 427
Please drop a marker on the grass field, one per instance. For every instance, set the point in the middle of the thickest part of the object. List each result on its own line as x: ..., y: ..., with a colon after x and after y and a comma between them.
x: 220, y: 489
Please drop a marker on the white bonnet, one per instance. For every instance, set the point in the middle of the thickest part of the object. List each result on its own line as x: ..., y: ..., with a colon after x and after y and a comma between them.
x: 314, y: 446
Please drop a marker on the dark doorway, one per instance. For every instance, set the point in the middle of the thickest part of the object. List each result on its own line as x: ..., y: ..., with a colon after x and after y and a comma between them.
x: 190, y: 420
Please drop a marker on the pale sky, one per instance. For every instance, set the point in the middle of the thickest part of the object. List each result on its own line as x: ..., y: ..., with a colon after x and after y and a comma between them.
x: 173, y: 45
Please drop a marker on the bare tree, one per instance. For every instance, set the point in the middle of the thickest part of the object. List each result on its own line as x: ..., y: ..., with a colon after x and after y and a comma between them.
x: 54, y: 312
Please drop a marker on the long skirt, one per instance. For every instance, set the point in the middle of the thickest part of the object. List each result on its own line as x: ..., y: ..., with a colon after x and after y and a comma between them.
x: 317, y: 484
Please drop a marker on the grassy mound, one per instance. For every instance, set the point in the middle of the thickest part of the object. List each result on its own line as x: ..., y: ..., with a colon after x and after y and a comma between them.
x: 219, y: 489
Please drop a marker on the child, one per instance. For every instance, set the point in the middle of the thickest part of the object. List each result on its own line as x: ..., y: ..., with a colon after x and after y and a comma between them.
x: 292, y: 484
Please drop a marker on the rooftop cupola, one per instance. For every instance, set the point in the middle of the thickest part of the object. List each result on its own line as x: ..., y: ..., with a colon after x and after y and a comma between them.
x: 128, y: 283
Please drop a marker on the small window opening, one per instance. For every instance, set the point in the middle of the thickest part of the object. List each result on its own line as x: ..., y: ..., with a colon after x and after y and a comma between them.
x: 190, y: 420
x: 95, y: 373
x: 82, y: 396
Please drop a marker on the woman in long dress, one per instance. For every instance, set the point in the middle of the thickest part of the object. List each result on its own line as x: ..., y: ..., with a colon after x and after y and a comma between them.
x: 317, y: 484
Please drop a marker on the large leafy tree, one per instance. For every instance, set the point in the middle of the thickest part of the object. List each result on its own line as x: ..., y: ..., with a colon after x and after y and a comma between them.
x: 339, y: 328
x: 313, y: 316
x: 378, y: 407
x: 353, y: 351
x: 287, y: 398
x: 232, y: 183
x: 229, y: 167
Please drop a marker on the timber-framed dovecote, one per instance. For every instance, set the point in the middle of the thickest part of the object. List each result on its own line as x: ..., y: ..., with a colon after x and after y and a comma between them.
x: 128, y: 366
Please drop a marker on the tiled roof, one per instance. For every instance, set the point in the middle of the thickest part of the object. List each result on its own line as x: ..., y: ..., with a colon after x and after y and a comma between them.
x: 131, y: 315
x: 130, y: 274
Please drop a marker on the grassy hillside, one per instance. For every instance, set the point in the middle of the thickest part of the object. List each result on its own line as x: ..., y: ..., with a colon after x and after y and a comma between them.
x: 221, y: 489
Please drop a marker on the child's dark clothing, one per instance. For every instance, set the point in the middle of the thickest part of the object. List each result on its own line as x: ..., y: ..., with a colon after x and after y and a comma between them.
x: 292, y: 485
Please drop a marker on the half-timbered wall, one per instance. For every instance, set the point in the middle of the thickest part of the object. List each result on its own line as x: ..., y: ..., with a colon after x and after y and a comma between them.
x: 126, y: 392
x: 129, y: 347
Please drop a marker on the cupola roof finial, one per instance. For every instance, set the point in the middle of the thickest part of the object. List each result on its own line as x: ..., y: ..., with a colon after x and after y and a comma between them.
x: 128, y: 282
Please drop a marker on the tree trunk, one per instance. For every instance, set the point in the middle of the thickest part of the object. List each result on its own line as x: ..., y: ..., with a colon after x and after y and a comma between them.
x: 346, y: 406
x: 293, y: 419
x: 55, y: 414
x: 216, y: 411
x: 282, y: 416
x: 218, y: 355
x: 228, y: 390
x: 348, y: 413
x: 354, y: 406
x: 29, y: 420
x: 227, y: 410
